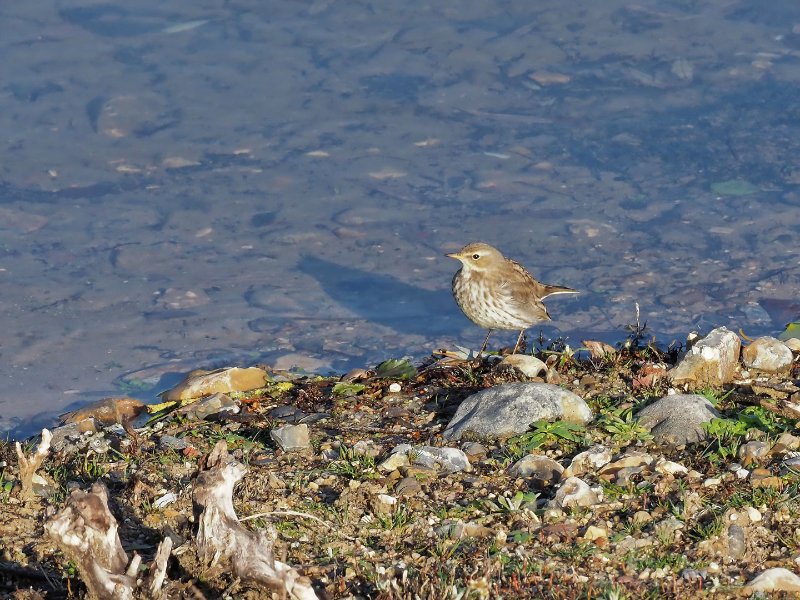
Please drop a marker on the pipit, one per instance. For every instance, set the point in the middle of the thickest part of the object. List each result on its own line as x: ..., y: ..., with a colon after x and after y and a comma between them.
x: 495, y: 292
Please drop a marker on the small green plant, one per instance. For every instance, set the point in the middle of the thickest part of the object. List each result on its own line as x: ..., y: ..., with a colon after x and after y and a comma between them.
x: 396, y: 368
x: 510, y: 504
x: 347, y: 389
x: 612, y: 591
x: 545, y: 433
x: 716, y: 397
x: 6, y: 485
x: 397, y: 519
x: 580, y: 550
x: 726, y: 436
x: 756, y: 417
x: 703, y: 530
x: 353, y: 465
x: 623, y: 427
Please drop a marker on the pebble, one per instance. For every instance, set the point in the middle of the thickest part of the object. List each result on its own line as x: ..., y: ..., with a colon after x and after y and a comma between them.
x: 576, y: 492
x: 541, y: 469
x: 588, y: 461
x: 170, y: 442
x: 529, y: 366
x: 367, y: 448
x: 291, y: 438
x: 752, y: 452
x: 395, y: 387
x: 211, y: 405
x: 408, y: 486
x: 736, y: 542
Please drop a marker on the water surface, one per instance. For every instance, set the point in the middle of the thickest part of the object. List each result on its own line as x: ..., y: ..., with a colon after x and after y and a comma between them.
x: 196, y: 184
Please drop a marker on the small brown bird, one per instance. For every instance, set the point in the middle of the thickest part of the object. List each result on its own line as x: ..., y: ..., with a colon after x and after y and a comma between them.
x: 496, y: 292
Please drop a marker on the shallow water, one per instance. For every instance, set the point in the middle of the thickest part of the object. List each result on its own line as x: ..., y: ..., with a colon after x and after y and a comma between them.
x: 197, y: 184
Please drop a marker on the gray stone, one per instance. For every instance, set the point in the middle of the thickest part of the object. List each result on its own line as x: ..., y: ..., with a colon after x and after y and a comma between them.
x: 665, y: 530
x: 752, y: 452
x: 474, y: 450
x: 676, y: 420
x: 588, y: 460
x: 736, y: 544
x: 509, y: 409
x: 211, y: 405
x: 777, y: 579
x: 408, y: 486
x: 711, y: 361
x: 71, y: 435
x: 291, y: 438
x: 541, y: 469
x: 395, y: 461
x: 367, y: 448
x: 443, y: 460
x: 576, y: 492
x: 768, y: 355
x: 170, y: 442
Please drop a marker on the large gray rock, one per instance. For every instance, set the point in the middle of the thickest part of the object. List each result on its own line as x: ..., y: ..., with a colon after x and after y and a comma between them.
x: 676, y: 420
x: 508, y: 409
x: 710, y: 362
x: 769, y: 355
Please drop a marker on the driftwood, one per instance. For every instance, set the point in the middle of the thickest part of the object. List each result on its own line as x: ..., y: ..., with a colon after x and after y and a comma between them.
x: 28, y: 465
x: 223, y: 542
x: 86, y: 532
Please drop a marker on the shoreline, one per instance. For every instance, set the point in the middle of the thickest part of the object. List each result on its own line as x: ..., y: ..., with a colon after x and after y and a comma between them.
x: 371, y: 495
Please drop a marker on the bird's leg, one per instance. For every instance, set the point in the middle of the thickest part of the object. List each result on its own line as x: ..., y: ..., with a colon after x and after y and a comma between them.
x: 486, y: 341
x: 519, y: 339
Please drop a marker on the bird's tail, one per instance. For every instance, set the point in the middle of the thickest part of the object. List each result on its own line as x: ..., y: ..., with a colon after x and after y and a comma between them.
x: 552, y: 290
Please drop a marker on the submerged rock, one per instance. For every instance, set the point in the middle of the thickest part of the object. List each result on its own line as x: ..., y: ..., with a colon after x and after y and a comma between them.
x: 508, y: 409
x: 711, y: 361
x: 676, y: 420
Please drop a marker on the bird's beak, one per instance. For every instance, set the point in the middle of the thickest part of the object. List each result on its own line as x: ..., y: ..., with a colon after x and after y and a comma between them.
x: 455, y: 255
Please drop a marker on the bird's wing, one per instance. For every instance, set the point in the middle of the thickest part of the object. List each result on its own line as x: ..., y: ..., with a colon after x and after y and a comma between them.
x: 525, y: 292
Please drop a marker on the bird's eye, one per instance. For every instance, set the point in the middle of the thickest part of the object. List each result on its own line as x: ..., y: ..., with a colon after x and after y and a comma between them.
x: 476, y: 256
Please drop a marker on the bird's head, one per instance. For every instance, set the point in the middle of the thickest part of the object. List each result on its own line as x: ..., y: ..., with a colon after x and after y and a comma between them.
x: 478, y: 256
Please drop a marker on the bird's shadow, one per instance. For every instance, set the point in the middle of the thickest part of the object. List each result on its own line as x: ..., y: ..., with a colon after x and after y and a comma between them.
x: 385, y: 300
